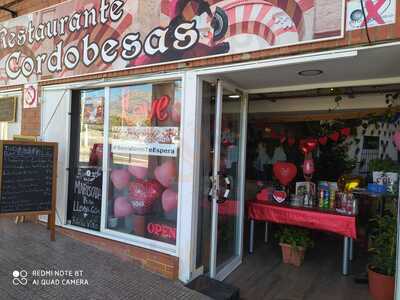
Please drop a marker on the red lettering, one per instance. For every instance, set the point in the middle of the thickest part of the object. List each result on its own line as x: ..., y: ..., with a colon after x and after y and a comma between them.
x: 162, y: 106
x: 162, y: 230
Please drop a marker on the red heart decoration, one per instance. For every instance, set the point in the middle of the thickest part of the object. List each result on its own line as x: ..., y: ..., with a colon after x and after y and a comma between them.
x: 143, y: 194
x: 311, y: 144
x: 303, y: 147
x: 291, y: 141
x: 335, y: 136
x: 323, y: 140
x: 279, y: 196
x: 285, y: 172
x: 345, y: 131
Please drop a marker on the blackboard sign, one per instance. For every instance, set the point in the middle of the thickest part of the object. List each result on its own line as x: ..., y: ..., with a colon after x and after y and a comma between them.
x: 28, y: 179
x: 87, y: 194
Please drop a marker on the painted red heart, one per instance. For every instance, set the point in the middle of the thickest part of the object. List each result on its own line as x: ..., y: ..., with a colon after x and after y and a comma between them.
x: 285, y: 172
x: 143, y: 194
x: 279, y: 196
x: 345, y: 131
x: 334, y: 136
x: 323, y: 140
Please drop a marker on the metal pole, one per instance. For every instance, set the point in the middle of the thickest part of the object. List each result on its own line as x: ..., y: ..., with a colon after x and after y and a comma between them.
x: 345, y: 266
x: 251, y: 243
x: 351, y: 249
x: 266, y: 233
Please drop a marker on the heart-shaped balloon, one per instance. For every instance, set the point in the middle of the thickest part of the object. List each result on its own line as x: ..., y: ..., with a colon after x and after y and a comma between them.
x: 120, y: 178
x: 291, y: 141
x: 143, y: 194
x: 323, y: 140
x: 303, y: 147
x: 396, y: 139
x: 334, y: 136
x: 285, y: 172
x: 311, y: 144
x: 345, y: 131
x: 166, y: 173
x: 122, y: 207
x: 138, y: 172
x: 169, y: 200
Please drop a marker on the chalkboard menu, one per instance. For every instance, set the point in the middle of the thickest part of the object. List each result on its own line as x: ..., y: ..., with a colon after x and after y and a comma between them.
x: 87, y: 194
x: 27, y: 173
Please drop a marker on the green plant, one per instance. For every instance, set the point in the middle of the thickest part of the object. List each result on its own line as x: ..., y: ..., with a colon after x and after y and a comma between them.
x: 383, y: 244
x: 383, y: 165
x: 296, y: 237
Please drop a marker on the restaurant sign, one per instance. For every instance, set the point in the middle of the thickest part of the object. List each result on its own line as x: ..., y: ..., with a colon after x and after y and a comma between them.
x: 81, y: 37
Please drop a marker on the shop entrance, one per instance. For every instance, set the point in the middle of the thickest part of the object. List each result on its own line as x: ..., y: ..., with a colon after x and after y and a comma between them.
x: 307, y: 93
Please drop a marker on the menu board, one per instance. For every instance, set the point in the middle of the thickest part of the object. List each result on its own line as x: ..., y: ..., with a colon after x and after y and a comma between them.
x: 27, y: 176
x: 86, y: 211
x: 8, y: 109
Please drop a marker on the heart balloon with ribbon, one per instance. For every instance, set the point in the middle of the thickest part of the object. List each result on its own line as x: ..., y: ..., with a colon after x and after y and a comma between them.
x: 285, y: 172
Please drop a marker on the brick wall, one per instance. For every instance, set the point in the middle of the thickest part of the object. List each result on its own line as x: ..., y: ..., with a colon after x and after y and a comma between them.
x: 160, y: 263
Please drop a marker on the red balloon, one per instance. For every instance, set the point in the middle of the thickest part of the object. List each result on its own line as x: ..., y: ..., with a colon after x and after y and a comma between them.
x: 143, y: 194
x: 285, y: 172
x: 335, y: 136
x: 311, y: 144
x: 323, y: 140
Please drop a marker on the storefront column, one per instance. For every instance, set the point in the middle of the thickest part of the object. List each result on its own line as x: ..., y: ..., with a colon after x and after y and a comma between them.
x: 187, y: 211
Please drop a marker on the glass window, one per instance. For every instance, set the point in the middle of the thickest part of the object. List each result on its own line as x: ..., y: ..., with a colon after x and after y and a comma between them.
x: 144, y: 139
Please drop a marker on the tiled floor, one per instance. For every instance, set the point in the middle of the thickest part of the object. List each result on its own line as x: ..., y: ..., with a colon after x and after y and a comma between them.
x: 104, y: 276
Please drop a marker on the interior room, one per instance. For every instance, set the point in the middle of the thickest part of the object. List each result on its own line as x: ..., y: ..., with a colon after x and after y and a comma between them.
x: 321, y: 138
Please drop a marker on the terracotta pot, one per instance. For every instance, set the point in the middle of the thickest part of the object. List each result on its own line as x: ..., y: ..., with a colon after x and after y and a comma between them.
x: 292, y: 255
x: 381, y: 287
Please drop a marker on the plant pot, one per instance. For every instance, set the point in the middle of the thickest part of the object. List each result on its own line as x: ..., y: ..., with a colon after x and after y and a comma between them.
x: 292, y: 255
x: 381, y: 287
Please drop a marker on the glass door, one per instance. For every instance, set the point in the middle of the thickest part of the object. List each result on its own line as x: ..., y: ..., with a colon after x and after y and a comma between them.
x: 220, y: 220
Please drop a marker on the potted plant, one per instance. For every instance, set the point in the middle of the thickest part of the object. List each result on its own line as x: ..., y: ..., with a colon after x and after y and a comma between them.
x: 382, y: 267
x: 294, y: 241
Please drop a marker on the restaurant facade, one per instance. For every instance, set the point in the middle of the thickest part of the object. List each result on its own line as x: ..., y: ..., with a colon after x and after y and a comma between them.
x: 169, y: 87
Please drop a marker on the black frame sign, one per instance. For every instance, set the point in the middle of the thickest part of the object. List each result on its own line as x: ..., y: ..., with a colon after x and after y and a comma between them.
x: 87, y: 195
x: 8, y: 109
x: 28, y: 181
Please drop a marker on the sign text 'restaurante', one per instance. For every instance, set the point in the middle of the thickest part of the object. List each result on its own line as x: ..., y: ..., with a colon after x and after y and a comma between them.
x: 87, y: 51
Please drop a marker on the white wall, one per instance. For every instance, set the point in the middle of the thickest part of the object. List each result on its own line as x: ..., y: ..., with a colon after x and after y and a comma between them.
x: 55, y: 124
x: 363, y: 101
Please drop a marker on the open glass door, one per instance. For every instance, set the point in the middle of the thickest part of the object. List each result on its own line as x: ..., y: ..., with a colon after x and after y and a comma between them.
x: 221, y: 209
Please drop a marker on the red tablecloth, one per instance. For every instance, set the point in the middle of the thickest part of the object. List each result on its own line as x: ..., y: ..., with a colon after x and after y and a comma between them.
x: 340, y: 224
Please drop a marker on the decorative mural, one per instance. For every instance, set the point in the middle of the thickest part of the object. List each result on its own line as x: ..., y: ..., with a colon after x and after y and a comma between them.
x: 85, y: 37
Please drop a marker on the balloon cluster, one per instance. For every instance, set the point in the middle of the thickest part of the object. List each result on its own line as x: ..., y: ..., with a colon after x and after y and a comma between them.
x: 141, y: 193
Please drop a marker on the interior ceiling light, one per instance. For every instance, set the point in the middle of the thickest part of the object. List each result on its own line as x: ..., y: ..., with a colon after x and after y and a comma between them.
x: 234, y: 96
x: 310, y: 72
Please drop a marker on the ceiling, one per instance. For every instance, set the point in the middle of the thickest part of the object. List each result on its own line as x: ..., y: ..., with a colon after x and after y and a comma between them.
x: 366, y: 64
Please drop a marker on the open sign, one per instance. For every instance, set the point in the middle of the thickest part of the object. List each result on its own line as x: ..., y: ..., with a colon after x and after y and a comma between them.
x: 161, y: 230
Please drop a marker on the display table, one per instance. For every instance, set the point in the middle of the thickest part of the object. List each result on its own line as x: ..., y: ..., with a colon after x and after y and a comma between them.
x: 310, y: 218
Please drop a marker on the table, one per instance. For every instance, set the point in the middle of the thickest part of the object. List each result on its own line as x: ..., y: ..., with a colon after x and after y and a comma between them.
x: 305, y: 217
